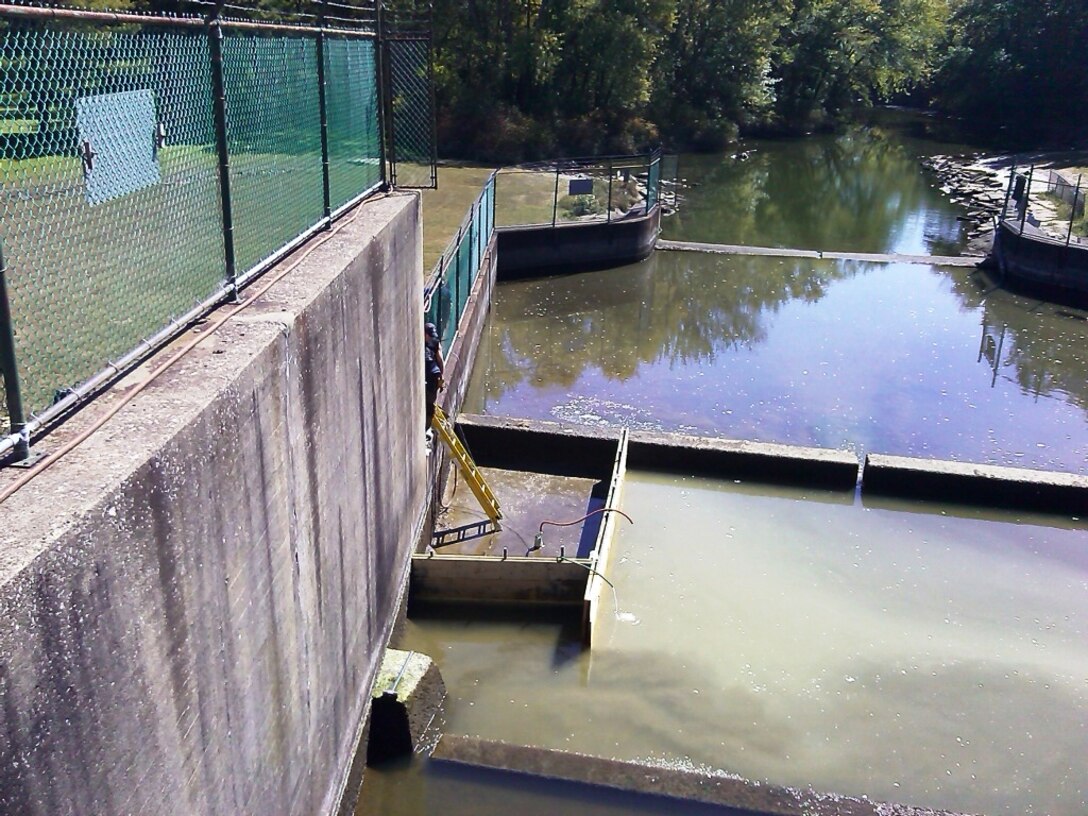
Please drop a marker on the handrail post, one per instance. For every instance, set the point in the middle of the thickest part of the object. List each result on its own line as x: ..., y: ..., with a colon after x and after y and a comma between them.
x: 387, y: 144
x: 1027, y: 200
x: 555, y: 198
x: 219, y: 110
x: 1008, y: 193
x: 611, y: 173
x: 323, y: 113
x: 1073, y: 212
x: 10, y: 370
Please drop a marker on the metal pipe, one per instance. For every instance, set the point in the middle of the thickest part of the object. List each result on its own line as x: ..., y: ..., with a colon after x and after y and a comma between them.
x: 1008, y: 193
x: 10, y: 370
x: 219, y: 112
x: 84, y: 15
x: 555, y: 198
x: 323, y: 115
x: 1073, y: 212
x: 1027, y: 200
x: 610, y: 173
x: 379, y: 71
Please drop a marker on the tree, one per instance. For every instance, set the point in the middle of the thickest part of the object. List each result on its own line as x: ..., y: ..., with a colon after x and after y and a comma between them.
x: 1023, y: 64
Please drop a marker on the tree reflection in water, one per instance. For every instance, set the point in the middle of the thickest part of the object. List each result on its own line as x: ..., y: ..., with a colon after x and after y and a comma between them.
x: 841, y: 354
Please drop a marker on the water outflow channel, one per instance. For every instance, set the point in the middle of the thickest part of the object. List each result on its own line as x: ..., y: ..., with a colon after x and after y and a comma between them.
x: 916, y: 653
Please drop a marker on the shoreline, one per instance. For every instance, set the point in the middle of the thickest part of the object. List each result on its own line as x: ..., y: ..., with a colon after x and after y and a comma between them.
x: 979, y: 181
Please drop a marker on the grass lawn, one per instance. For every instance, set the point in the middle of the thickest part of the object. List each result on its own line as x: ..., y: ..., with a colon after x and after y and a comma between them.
x: 445, y: 208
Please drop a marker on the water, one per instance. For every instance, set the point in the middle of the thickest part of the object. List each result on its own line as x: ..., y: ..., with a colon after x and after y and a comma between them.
x: 860, y: 191
x: 901, y: 652
x: 904, y: 359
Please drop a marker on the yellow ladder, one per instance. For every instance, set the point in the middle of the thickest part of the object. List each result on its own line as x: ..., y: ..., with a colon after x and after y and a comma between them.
x: 472, y: 474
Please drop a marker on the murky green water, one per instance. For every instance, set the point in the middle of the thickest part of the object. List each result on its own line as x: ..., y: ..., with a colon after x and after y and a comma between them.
x: 859, y: 191
x: 893, y: 358
x: 892, y: 650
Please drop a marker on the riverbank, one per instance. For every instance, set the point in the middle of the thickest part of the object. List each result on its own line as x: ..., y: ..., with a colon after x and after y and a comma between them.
x: 980, y: 182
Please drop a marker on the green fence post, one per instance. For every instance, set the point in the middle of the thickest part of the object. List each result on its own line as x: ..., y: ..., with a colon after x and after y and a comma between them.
x: 323, y: 114
x: 219, y: 105
x: 9, y: 369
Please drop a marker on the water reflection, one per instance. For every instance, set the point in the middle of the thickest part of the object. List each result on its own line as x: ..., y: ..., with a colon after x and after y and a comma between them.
x: 860, y: 190
x: 836, y: 354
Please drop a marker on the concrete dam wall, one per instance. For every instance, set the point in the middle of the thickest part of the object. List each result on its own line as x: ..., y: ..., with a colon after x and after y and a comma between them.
x: 194, y: 602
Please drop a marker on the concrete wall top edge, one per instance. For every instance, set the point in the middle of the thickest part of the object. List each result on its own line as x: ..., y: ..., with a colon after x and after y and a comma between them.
x: 878, y: 461
x: 538, y: 425
x: 770, y: 449
x: 678, y: 783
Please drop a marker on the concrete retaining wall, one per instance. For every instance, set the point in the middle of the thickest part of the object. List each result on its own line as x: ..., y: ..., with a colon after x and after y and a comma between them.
x: 982, y: 485
x: 1041, y: 266
x: 194, y: 603
x: 527, y: 251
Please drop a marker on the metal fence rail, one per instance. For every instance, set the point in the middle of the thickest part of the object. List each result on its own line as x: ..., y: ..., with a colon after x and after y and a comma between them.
x: 451, y: 280
x: 564, y: 191
x: 152, y: 165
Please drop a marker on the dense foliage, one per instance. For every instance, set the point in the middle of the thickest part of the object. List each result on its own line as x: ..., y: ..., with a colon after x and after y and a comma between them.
x: 523, y: 78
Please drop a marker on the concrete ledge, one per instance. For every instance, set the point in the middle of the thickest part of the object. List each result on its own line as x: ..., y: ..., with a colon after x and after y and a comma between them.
x: 728, y: 458
x: 544, y: 447
x: 477, y: 579
x: 965, y: 483
x: 726, y: 791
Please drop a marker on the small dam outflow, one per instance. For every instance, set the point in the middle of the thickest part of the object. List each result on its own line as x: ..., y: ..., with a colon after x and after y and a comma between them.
x: 779, y: 604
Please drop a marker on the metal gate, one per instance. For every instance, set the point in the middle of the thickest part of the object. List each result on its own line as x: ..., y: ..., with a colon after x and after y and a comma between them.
x: 409, y: 77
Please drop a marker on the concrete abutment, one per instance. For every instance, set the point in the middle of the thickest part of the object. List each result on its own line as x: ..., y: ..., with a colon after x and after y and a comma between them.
x: 194, y: 603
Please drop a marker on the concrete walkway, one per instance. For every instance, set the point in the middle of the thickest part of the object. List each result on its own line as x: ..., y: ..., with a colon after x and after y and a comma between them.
x: 734, y: 249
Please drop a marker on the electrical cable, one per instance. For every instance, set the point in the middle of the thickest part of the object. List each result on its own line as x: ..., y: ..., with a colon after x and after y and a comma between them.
x: 583, y: 518
x: 214, y: 326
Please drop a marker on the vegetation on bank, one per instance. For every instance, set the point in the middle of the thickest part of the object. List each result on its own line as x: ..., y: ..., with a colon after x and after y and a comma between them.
x: 527, y: 79
x: 521, y: 79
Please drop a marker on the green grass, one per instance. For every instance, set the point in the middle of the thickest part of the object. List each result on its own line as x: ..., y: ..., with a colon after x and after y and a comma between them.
x: 89, y: 282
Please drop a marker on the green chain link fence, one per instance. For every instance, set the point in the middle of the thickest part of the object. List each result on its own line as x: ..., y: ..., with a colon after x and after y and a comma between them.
x: 412, y: 107
x: 456, y: 271
x: 119, y: 220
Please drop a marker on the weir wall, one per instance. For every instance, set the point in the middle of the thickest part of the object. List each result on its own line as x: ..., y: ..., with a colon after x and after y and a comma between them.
x: 194, y: 602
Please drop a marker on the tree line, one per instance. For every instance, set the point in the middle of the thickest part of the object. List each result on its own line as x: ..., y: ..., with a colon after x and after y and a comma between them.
x: 521, y: 79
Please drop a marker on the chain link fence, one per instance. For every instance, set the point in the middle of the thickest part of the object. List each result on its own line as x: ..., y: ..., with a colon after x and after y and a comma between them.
x: 412, y: 119
x: 1048, y: 205
x: 150, y: 166
x: 566, y: 191
x: 455, y: 273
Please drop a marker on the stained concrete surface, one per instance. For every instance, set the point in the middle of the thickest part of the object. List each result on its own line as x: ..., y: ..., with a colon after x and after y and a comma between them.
x: 526, y: 499
x: 194, y: 602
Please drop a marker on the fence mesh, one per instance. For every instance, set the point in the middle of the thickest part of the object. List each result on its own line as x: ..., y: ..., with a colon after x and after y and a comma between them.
x: 459, y: 266
x: 274, y: 141
x: 111, y: 210
x: 578, y: 190
x: 351, y: 94
x: 412, y: 127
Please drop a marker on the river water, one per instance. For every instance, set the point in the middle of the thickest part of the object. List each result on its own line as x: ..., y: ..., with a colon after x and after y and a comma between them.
x: 912, y: 653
